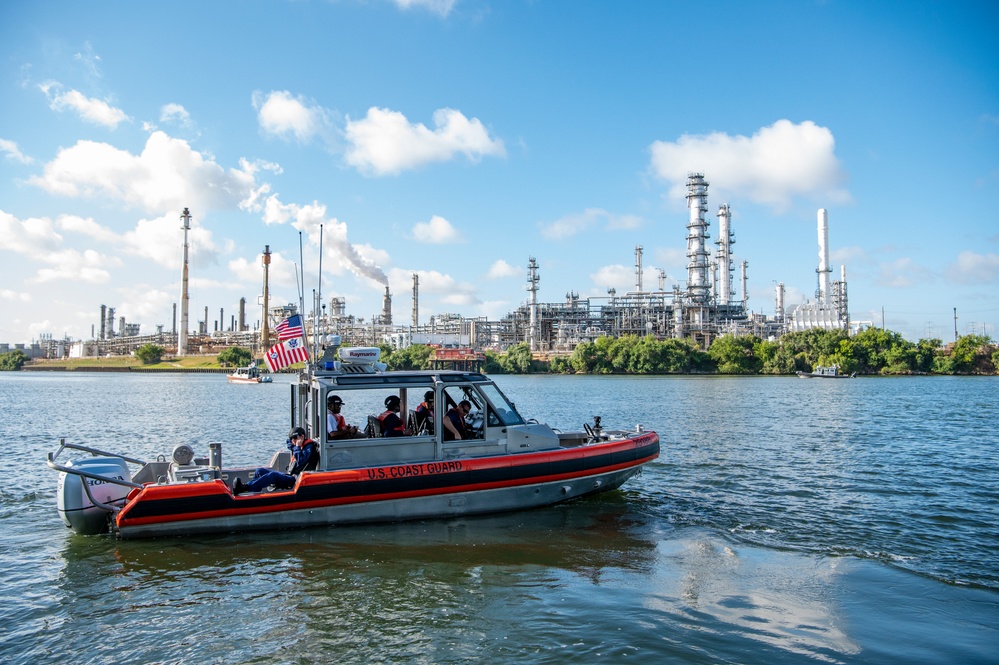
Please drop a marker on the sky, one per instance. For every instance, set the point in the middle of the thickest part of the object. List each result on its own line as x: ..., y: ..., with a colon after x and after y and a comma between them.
x: 364, y: 141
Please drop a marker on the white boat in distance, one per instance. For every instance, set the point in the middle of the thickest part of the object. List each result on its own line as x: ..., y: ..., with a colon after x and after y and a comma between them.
x: 831, y: 372
x: 249, y: 374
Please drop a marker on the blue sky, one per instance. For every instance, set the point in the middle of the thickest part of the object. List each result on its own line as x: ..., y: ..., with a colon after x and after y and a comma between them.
x: 457, y: 138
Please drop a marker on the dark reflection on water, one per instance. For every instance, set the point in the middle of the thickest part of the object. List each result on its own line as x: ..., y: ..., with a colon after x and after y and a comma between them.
x: 400, y: 589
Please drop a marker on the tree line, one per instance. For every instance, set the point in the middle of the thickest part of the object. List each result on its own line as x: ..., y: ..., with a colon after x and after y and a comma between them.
x: 873, y: 351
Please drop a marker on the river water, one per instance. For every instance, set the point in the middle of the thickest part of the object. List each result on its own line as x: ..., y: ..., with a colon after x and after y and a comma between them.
x: 787, y: 520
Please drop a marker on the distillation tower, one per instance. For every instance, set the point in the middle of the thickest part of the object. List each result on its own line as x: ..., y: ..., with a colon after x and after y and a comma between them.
x: 830, y: 309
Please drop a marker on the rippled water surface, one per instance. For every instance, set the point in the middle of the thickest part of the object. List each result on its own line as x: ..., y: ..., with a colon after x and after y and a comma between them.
x: 787, y: 520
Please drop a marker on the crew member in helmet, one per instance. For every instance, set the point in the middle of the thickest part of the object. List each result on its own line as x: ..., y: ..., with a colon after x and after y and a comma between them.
x: 336, y: 424
x: 425, y: 414
x: 391, y: 422
x: 305, y: 454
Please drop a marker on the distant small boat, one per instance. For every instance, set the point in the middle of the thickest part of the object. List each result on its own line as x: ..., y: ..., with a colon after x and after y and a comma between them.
x: 249, y: 374
x: 831, y: 372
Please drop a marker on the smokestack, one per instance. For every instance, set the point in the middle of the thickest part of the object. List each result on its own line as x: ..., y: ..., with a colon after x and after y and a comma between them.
x: 182, y: 334
x: 265, y: 330
x: 638, y: 268
x: 823, y: 271
x: 743, y: 277
x: 104, y: 314
x: 242, y: 314
x: 416, y: 300
x: 387, y: 307
x: 780, y: 301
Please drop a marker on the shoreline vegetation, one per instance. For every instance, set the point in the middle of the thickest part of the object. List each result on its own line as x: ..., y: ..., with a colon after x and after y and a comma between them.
x: 871, y: 352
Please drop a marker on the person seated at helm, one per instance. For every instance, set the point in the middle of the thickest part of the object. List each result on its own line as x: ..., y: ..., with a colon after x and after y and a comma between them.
x: 306, y: 458
x: 336, y: 424
x: 425, y: 413
x: 390, y: 421
x: 454, y: 421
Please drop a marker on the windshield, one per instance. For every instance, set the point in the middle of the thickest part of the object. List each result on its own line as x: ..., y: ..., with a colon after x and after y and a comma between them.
x: 503, y: 408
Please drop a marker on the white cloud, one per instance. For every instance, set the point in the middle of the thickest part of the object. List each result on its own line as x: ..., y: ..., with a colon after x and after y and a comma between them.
x: 282, y: 270
x: 142, y: 302
x: 974, y: 268
x: 72, y: 265
x: 500, y: 269
x: 449, y: 290
x: 92, y: 110
x: 441, y: 7
x: 13, y: 153
x: 386, y: 143
x: 903, y: 273
x: 618, y: 277
x: 437, y: 231
x: 282, y: 115
x: 156, y: 239
x: 167, y: 175
x: 175, y: 113
x: 161, y: 241
x: 570, y: 225
x: 7, y: 294
x: 34, y: 237
x: 672, y: 260
x: 771, y: 167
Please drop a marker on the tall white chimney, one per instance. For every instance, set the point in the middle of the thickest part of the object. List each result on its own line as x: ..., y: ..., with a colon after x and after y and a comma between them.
x: 822, y: 295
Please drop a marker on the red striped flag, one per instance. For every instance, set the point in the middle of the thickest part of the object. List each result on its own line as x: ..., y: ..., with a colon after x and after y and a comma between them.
x: 287, y: 353
x: 290, y: 328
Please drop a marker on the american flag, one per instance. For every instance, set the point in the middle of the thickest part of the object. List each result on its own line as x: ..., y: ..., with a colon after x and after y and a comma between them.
x: 290, y: 328
x: 287, y: 353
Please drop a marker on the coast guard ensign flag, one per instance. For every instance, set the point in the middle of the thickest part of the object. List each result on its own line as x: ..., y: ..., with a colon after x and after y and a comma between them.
x: 286, y: 353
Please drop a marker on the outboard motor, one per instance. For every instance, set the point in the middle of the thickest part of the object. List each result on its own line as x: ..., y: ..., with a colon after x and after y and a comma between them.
x: 78, y: 512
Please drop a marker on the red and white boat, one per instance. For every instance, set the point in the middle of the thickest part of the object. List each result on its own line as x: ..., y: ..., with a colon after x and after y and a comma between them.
x: 249, y: 374
x: 503, y: 463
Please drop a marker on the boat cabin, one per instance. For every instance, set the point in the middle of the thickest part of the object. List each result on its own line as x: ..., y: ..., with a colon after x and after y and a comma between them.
x: 493, y: 425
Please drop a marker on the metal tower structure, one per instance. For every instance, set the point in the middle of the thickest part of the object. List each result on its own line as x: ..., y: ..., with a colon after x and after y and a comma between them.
x: 698, y: 288
x: 416, y: 300
x: 638, y: 268
x: 532, y: 286
x: 265, y: 328
x: 184, y: 299
x: 724, y: 256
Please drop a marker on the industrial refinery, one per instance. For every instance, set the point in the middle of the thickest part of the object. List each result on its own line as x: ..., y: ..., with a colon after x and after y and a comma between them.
x: 708, y: 306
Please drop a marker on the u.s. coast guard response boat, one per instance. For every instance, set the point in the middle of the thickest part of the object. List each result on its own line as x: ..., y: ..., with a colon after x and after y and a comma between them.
x: 503, y: 462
